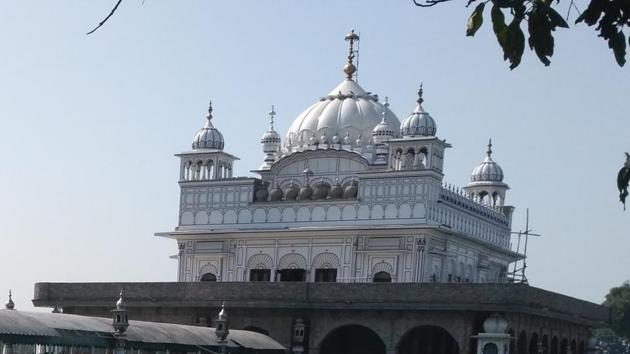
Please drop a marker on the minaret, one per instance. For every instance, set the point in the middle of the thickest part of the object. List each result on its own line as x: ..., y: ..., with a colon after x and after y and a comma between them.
x: 121, y: 321
x: 271, y: 142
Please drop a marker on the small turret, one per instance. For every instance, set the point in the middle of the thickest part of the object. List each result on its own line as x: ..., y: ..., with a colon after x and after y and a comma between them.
x: 121, y: 320
x: 221, y: 325
x: 271, y: 142
x: 10, y: 305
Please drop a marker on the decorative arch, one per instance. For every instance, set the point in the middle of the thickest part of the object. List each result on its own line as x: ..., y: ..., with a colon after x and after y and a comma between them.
x: 207, y: 268
x: 260, y: 261
x: 325, y: 260
x: 292, y: 261
x: 382, y: 267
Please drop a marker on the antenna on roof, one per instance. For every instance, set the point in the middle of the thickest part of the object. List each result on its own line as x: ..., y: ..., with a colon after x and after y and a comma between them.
x: 518, y: 271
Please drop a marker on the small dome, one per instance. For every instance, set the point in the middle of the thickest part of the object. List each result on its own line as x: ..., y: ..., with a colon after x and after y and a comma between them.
x: 419, y: 122
x: 276, y: 194
x: 488, y: 170
x: 291, y: 192
x: 336, y: 192
x: 305, y: 193
x: 321, y: 190
x: 382, y: 131
x: 271, y: 136
x: 495, y: 323
x: 208, y: 137
x: 350, y: 192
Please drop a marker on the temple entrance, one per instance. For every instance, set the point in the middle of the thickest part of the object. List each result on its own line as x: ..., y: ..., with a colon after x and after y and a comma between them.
x: 427, y: 339
x: 352, y: 339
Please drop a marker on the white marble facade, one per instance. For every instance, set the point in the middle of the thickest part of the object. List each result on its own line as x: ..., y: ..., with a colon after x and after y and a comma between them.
x: 351, y: 195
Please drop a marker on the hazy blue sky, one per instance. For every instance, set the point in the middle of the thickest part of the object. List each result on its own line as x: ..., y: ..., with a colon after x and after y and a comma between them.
x: 89, y: 124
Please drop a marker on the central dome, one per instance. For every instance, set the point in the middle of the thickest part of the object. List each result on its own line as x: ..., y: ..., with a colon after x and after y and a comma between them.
x: 347, y: 111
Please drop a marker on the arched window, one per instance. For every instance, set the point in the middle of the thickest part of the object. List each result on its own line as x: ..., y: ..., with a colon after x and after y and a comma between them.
x: 208, y: 277
x: 490, y: 348
x: 382, y: 277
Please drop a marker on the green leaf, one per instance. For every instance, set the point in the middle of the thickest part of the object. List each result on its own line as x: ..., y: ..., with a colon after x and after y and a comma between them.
x: 498, y: 24
x: 592, y: 12
x: 514, y: 44
x: 540, y: 38
x: 475, y: 20
x: 556, y: 18
x: 618, y: 44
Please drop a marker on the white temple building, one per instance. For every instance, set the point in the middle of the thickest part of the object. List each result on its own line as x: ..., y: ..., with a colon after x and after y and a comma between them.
x: 351, y: 194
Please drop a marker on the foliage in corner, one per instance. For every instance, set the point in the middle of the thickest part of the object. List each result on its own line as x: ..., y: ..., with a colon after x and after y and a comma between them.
x: 618, y: 299
x: 540, y: 20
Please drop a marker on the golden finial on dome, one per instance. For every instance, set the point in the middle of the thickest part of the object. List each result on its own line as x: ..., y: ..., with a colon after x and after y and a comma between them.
x: 489, y: 152
x: 350, y: 68
x: 420, y: 99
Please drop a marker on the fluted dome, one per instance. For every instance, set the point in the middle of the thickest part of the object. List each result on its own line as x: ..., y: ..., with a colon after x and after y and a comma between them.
x: 305, y: 193
x: 350, y: 192
x: 488, y: 170
x: 347, y: 111
x: 276, y: 194
x: 419, y: 122
x: 208, y: 137
x: 336, y: 192
x: 291, y: 192
x: 271, y: 136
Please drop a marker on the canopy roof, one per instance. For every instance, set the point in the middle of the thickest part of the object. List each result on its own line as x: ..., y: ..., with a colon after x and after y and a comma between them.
x: 21, y: 327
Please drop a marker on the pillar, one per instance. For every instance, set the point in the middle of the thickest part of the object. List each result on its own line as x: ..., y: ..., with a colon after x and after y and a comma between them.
x: 7, y: 348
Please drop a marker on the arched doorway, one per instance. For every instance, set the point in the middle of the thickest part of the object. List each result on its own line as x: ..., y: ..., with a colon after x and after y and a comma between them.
x: 490, y: 348
x: 208, y: 277
x: 352, y: 339
x: 512, y: 341
x: 554, y: 346
x: 382, y: 277
x: 428, y: 339
x: 522, y: 343
x: 534, y: 343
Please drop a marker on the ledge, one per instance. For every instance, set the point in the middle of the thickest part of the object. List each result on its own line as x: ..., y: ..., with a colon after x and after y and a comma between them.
x: 519, y: 298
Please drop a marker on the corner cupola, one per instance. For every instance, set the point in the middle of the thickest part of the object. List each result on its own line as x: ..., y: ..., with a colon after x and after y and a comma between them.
x: 270, y: 142
x: 486, y: 182
x: 488, y: 170
x: 207, y: 160
x: 208, y: 137
x: 419, y: 122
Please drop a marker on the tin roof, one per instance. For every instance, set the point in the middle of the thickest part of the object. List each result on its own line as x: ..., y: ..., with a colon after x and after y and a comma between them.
x: 22, y: 327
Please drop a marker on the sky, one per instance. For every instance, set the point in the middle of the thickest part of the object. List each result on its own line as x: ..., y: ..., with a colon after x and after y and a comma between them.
x: 89, y: 124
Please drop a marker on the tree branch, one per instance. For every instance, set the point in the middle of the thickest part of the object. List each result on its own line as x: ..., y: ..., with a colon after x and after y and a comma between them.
x: 111, y: 13
x: 429, y: 3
